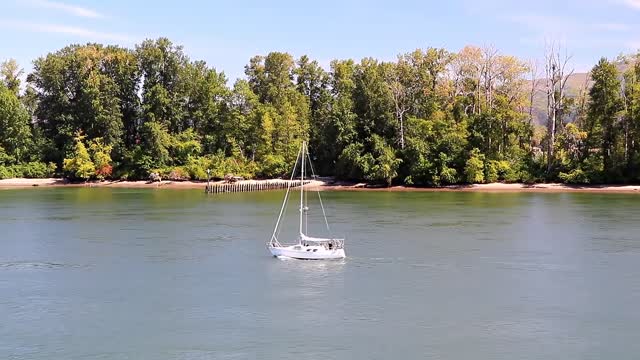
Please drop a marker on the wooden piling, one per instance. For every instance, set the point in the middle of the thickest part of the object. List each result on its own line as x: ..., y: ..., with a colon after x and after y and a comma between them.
x: 211, y: 188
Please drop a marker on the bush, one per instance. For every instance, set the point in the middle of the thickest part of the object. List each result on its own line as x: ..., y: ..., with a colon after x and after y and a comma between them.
x: 101, y: 155
x: 177, y: 174
x: 384, y: 166
x: 79, y: 166
x: 504, y: 170
x: 350, y: 164
x: 500, y: 170
x: 6, y: 159
x: 6, y: 172
x: 448, y: 175
x: 31, y: 170
x: 576, y: 176
x: 196, y: 168
x: 490, y: 171
x: 273, y: 166
x: 474, y: 168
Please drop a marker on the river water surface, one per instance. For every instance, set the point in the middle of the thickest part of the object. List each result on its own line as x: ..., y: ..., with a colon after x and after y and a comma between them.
x: 176, y: 274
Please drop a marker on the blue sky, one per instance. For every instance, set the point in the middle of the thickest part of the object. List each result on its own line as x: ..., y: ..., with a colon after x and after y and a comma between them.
x: 227, y: 33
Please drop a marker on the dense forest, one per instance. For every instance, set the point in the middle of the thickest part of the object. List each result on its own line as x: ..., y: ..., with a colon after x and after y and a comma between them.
x: 430, y: 118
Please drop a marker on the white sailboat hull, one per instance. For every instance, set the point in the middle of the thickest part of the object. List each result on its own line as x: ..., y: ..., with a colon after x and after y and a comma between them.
x: 307, y: 252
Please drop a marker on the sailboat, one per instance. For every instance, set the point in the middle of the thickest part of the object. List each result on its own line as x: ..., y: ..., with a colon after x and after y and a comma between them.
x: 306, y: 247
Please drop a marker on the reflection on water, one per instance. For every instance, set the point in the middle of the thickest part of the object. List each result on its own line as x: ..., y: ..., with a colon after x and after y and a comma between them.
x: 161, y: 274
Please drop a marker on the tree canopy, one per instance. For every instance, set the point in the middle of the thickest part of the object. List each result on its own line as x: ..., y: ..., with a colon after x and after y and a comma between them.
x: 429, y: 118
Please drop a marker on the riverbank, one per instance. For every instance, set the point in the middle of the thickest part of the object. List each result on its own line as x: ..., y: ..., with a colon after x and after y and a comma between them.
x: 499, y: 187
x: 330, y: 186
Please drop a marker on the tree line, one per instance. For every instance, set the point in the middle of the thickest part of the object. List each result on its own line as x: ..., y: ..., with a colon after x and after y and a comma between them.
x: 430, y: 118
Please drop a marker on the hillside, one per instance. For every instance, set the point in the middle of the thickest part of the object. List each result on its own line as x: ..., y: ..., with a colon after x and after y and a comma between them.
x: 575, y: 83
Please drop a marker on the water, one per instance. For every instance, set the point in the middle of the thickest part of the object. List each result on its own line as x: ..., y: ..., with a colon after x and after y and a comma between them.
x: 161, y: 274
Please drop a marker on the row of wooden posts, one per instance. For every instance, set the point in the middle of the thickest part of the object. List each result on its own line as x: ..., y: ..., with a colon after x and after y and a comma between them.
x: 244, y: 186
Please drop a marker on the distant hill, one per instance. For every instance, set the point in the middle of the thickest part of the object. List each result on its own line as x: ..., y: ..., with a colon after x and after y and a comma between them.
x: 574, y: 84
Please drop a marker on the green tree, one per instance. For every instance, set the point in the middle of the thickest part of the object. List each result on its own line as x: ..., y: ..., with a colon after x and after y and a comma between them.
x: 78, y: 91
x: 243, y: 126
x: 15, y: 134
x: 384, y: 164
x: 10, y: 73
x: 373, y: 102
x: 435, y: 150
x: 185, y: 146
x: 631, y: 122
x: 286, y: 120
x: 156, y: 142
x: 205, y: 93
x: 603, y: 115
x: 161, y: 65
x: 474, y: 168
x: 79, y: 165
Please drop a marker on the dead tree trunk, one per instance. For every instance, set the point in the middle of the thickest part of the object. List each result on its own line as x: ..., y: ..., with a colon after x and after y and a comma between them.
x: 556, y: 80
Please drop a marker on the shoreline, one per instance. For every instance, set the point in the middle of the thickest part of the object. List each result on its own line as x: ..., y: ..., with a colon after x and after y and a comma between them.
x: 18, y: 183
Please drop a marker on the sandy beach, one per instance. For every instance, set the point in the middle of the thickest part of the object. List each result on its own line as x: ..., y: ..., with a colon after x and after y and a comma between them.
x: 500, y: 187
x: 327, y: 185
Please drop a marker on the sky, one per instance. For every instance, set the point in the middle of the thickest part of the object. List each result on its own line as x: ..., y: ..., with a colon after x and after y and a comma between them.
x: 226, y: 34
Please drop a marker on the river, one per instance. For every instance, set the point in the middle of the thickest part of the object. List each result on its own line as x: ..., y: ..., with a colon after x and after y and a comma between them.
x: 177, y: 274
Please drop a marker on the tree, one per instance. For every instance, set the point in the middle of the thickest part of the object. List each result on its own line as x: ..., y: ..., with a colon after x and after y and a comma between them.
x: 121, y: 66
x: 83, y: 88
x: 161, y: 66
x: 340, y: 129
x: 101, y: 155
x: 313, y: 83
x: 474, y: 168
x: 242, y: 128
x: 556, y: 80
x: 79, y: 165
x: 15, y: 134
x: 383, y: 164
x: 156, y: 142
x: 205, y: 93
x: 287, y: 115
x: 373, y: 102
x: 603, y: 115
x: 631, y: 125
x: 10, y: 74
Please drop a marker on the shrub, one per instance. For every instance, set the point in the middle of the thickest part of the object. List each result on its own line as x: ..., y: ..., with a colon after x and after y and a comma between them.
x: 177, y: 174
x: 576, y: 176
x: 6, y: 172
x: 448, y: 175
x: 79, y: 166
x: 490, y: 171
x: 196, y: 169
x: 273, y: 166
x: 31, y: 170
x: 500, y: 170
x: 101, y: 155
x: 474, y: 168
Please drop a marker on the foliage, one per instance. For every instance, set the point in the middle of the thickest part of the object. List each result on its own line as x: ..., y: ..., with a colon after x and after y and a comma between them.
x: 15, y: 135
x: 576, y: 176
x: 383, y: 165
x: 101, y: 156
x: 474, y: 168
x: 604, y: 107
x: 30, y: 170
x: 273, y: 166
x: 428, y: 118
x: 79, y: 165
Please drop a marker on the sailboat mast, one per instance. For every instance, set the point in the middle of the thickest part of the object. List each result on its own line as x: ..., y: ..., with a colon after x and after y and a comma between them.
x: 302, y: 188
